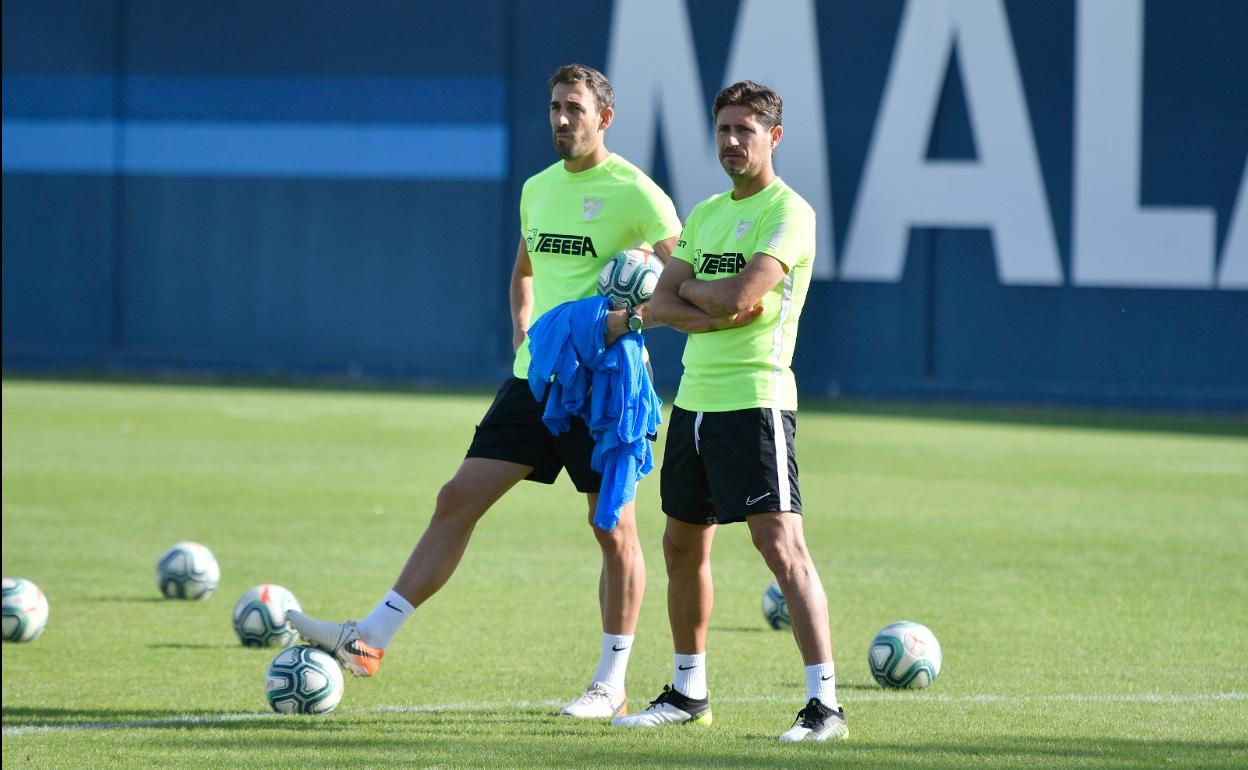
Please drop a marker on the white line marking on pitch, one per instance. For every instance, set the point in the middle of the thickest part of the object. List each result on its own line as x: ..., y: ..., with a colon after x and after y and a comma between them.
x: 189, y: 720
x: 182, y: 720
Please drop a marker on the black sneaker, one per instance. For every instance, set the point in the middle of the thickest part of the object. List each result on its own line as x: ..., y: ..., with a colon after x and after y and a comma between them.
x: 670, y: 708
x: 817, y: 722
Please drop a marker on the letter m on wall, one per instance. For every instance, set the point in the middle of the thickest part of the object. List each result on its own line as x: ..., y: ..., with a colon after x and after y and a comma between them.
x: 661, y: 95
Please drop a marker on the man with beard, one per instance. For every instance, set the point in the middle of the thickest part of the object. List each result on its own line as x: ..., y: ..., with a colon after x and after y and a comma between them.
x: 574, y: 215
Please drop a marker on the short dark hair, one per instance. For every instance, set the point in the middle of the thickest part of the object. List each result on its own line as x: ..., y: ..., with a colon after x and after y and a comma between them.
x: 764, y: 101
x: 593, y: 79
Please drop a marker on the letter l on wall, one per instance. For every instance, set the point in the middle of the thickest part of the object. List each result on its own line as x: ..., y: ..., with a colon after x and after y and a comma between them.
x: 774, y: 42
x: 1115, y: 240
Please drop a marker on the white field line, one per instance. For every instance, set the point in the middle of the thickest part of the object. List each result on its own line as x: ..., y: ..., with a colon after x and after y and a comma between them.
x: 190, y: 720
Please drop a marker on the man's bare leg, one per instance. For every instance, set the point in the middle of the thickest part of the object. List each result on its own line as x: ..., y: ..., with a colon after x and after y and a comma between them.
x: 690, y: 595
x: 779, y: 537
x: 461, y: 502
x: 621, y: 585
x: 622, y: 581
x: 690, y: 587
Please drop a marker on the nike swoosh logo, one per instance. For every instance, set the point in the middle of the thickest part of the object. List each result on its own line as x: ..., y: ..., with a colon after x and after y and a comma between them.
x: 826, y: 678
x: 391, y: 606
x: 618, y: 649
x: 752, y: 500
x: 354, y: 649
x: 686, y: 668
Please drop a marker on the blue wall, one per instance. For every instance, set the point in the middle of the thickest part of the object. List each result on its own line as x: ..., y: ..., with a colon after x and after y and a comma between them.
x: 327, y: 188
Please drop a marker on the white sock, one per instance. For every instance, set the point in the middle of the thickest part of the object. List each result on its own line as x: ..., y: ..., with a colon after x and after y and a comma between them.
x: 385, y: 620
x: 689, y: 678
x: 613, y: 662
x: 821, y: 683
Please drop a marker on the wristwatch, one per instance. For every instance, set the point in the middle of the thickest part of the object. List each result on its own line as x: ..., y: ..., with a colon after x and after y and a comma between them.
x: 635, y: 322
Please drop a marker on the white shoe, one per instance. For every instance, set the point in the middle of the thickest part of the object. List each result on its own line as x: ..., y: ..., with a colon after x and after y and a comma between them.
x: 341, y: 640
x: 600, y: 701
x: 817, y: 722
x: 670, y: 708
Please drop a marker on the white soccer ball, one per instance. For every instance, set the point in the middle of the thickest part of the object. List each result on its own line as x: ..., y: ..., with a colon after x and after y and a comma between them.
x: 25, y: 610
x: 260, y: 617
x: 629, y: 277
x: 303, y: 680
x: 775, y: 608
x: 905, y: 655
x: 187, y: 571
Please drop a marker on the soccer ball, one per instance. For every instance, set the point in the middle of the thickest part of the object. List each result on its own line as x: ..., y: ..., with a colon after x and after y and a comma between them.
x: 260, y: 617
x: 629, y: 277
x: 25, y: 610
x: 775, y: 608
x: 187, y: 571
x: 906, y: 655
x: 303, y: 680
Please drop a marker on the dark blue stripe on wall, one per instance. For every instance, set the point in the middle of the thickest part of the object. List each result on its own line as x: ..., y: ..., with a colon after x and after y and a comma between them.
x: 60, y: 96
x: 382, y: 99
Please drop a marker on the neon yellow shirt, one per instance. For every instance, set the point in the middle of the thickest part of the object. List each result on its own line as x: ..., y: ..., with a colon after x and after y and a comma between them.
x: 573, y: 223
x: 748, y: 366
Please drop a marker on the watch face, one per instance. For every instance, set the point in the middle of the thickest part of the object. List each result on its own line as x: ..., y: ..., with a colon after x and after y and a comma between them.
x: 635, y: 322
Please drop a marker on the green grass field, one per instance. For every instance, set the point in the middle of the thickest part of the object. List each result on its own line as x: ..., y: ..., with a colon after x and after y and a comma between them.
x: 1087, y: 577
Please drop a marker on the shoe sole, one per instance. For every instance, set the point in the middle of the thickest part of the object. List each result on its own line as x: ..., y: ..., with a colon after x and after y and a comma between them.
x: 359, y: 670
x: 620, y: 711
x: 360, y: 665
x: 830, y: 735
x: 704, y: 719
x: 833, y: 735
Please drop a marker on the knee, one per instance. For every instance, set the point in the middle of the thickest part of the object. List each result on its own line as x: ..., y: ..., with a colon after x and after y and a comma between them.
x: 622, y: 540
x: 782, y: 555
x: 681, y: 557
x: 456, y: 503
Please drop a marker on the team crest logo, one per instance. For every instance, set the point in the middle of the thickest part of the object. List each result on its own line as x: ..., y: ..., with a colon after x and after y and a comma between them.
x: 530, y: 237
x: 743, y: 227
x: 591, y: 207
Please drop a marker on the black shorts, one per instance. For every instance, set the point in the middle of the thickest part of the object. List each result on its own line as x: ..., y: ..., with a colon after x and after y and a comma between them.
x: 720, y: 467
x: 512, y: 430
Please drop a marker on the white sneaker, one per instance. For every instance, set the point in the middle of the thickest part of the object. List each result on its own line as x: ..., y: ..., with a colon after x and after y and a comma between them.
x: 817, y: 722
x: 341, y: 640
x: 670, y: 708
x: 600, y: 701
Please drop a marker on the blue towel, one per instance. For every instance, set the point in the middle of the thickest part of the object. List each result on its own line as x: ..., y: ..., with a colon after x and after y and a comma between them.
x: 609, y: 388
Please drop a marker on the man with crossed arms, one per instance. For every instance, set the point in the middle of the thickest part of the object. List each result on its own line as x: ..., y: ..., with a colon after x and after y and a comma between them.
x: 736, y: 284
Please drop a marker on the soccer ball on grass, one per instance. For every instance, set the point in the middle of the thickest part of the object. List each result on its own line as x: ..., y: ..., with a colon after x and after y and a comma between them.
x: 629, y: 277
x: 187, y: 571
x: 260, y: 617
x: 905, y: 655
x: 303, y: 680
x: 775, y: 608
x: 25, y: 610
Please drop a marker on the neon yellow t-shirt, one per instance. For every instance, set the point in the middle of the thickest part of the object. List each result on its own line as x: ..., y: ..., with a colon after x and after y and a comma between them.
x: 573, y: 223
x: 748, y: 366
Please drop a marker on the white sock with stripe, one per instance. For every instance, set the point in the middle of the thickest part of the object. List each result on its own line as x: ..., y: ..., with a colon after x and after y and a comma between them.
x: 821, y: 683
x: 689, y: 678
x: 613, y: 663
x: 380, y: 626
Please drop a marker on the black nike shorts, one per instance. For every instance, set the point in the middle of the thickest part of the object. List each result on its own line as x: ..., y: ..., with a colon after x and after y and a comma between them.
x: 512, y: 430
x: 720, y: 467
